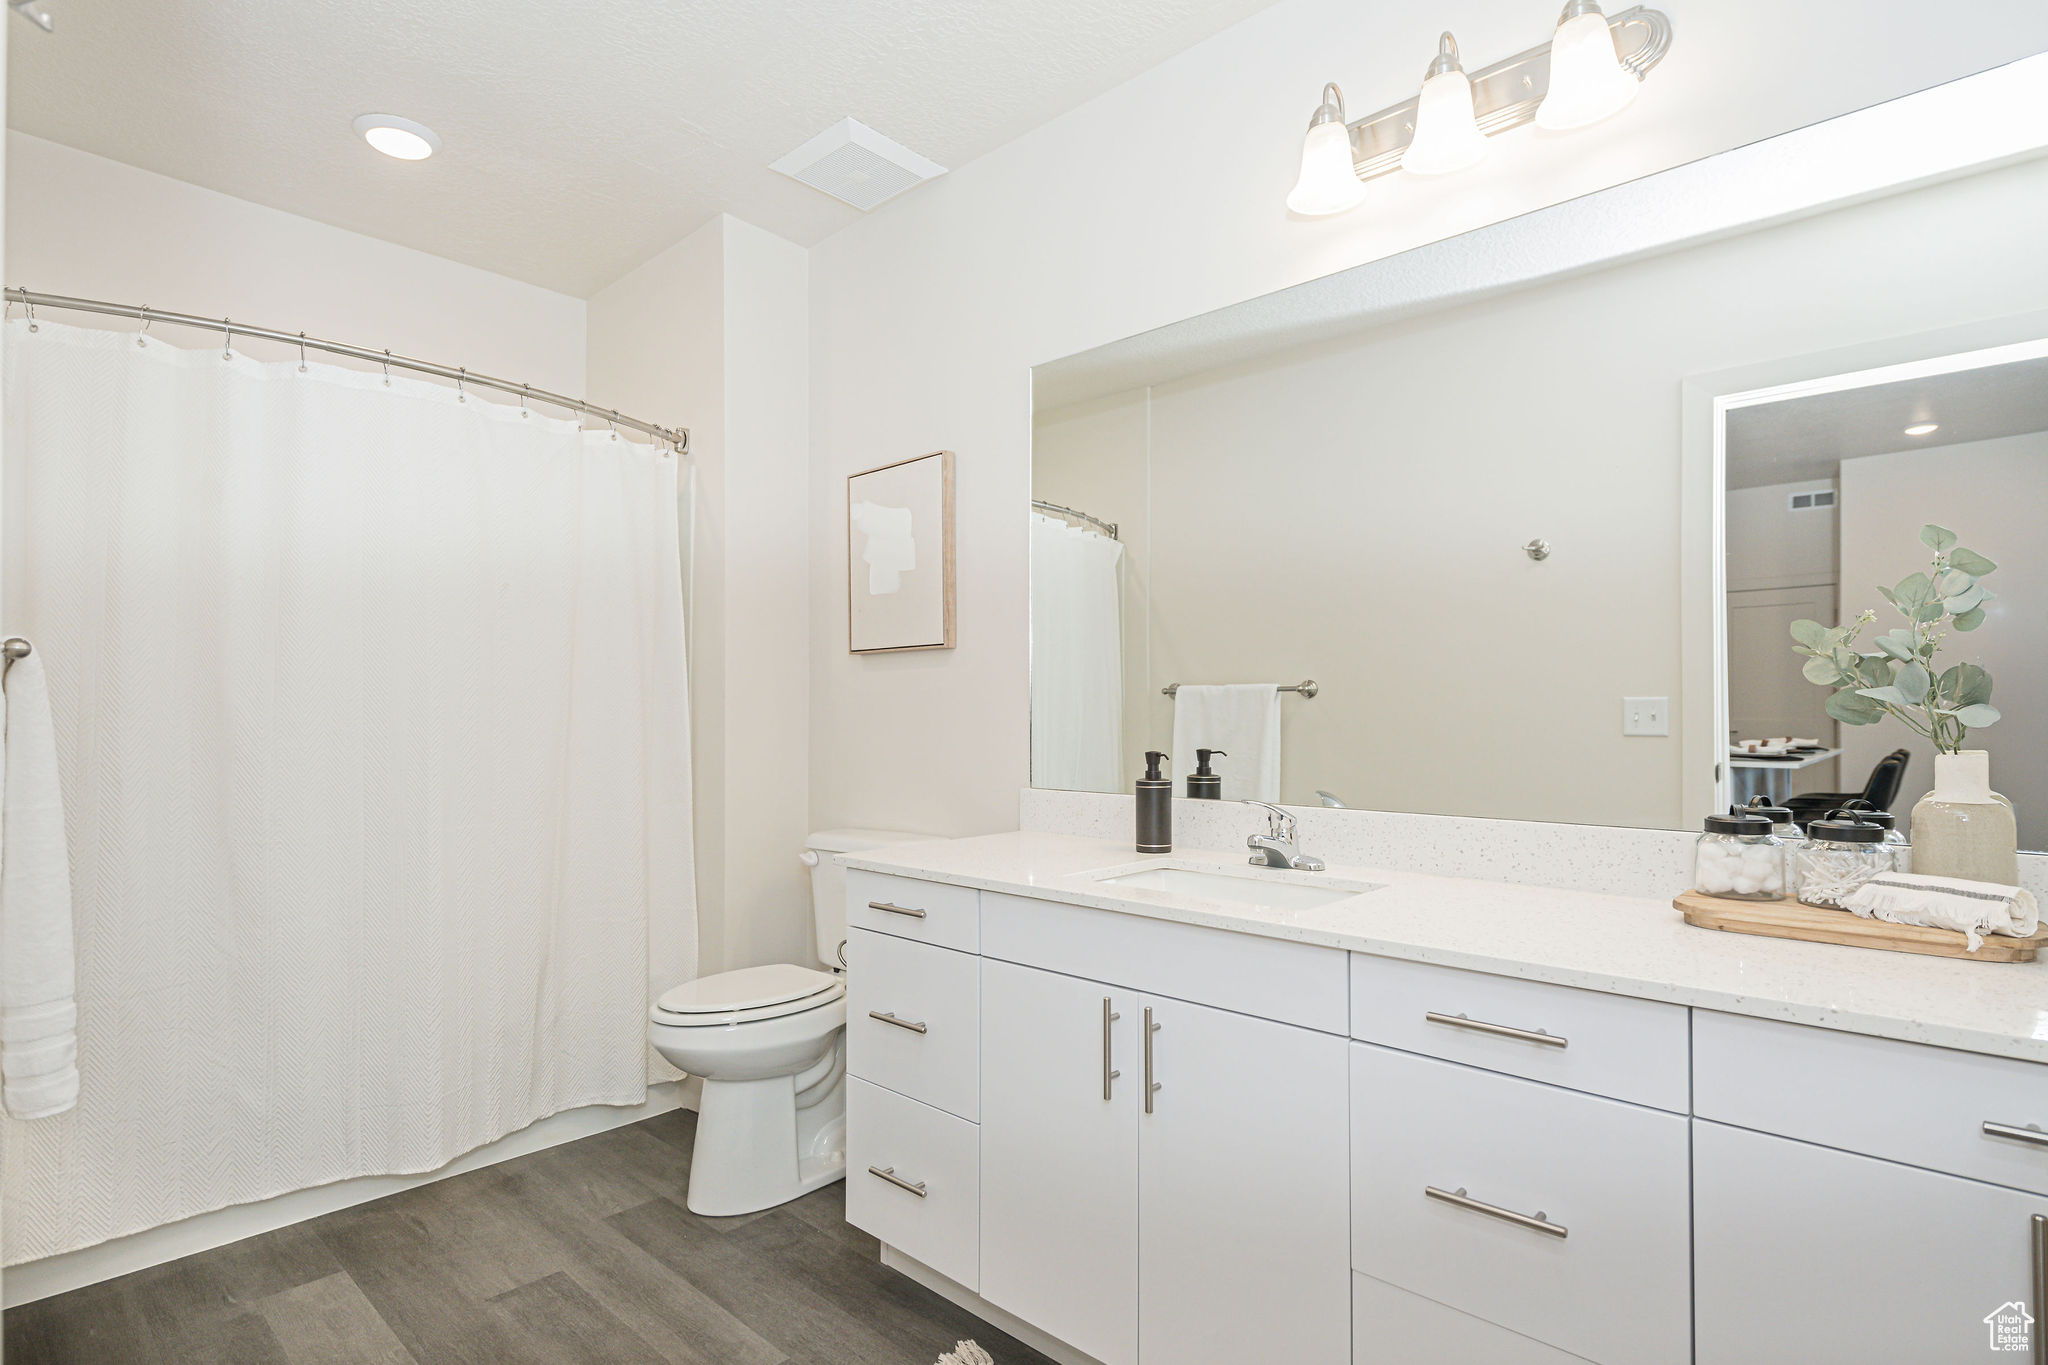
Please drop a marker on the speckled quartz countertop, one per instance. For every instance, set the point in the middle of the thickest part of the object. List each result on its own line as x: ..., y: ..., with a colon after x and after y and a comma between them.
x: 1628, y: 945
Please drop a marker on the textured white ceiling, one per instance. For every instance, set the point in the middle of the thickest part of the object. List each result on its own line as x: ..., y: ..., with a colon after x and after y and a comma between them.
x: 578, y: 140
x: 1808, y: 438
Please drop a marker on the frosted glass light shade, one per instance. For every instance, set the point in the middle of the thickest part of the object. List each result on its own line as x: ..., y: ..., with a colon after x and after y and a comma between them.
x: 1327, y: 183
x: 1447, y: 137
x: 1587, y: 79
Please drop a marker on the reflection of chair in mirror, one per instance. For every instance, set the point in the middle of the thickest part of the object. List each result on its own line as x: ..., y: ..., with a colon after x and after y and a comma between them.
x: 1886, y: 777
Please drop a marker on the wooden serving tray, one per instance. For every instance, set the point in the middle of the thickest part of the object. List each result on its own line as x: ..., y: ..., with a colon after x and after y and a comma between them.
x: 1787, y: 918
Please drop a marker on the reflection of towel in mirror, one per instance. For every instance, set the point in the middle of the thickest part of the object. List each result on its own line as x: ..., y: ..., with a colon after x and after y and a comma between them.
x: 1975, y: 908
x: 1241, y: 719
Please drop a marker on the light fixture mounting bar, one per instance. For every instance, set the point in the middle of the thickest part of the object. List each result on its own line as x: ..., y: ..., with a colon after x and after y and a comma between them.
x: 1505, y: 95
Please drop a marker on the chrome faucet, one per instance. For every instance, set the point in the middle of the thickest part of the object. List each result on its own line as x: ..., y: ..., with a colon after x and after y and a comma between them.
x: 1276, y: 847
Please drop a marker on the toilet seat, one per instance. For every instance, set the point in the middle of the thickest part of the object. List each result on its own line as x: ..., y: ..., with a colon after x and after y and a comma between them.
x: 746, y: 995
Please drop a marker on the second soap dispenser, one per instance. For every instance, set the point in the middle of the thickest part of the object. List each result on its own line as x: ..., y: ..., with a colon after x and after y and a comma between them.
x: 1155, y: 807
x: 1204, y: 785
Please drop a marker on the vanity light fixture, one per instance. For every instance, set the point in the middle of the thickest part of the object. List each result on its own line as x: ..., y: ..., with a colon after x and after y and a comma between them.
x: 1327, y: 183
x: 1588, y: 71
x: 1587, y: 80
x: 1447, y: 137
x: 1923, y: 428
x: 399, y: 137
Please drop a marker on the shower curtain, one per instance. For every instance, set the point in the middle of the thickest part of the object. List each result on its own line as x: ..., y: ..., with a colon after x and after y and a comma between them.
x: 1077, y: 658
x: 372, y: 727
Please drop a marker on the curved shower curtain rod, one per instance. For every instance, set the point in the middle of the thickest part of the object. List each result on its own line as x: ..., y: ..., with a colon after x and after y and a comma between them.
x: 679, y: 437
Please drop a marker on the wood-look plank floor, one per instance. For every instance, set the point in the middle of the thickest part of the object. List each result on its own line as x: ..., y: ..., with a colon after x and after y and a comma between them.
x: 581, y: 1253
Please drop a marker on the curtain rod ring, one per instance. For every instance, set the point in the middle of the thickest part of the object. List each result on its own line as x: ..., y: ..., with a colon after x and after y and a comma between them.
x: 387, y: 367
x: 460, y: 376
x: 30, y: 304
x: 302, y: 353
x: 523, y: 414
x: 227, y: 332
x: 142, y: 337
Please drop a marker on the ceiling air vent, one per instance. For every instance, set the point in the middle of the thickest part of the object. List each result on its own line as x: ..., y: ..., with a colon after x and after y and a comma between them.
x: 857, y: 165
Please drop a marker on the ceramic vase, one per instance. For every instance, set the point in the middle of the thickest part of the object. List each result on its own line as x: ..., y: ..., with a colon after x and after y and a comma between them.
x: 1962, y: 828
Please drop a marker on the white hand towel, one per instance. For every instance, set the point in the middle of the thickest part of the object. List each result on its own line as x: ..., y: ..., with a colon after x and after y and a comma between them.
x: 38, y: 1010
x: 1975, y: 908
x: 1243, y: 720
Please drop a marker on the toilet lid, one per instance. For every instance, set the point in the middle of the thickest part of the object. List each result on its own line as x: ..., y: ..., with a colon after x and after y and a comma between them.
x: 749, y: 988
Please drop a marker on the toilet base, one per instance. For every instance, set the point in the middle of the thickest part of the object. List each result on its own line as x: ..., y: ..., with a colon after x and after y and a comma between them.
x: 765, y: 1142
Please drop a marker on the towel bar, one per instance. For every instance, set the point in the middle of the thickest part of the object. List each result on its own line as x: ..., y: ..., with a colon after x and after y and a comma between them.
x: 1307, y: 687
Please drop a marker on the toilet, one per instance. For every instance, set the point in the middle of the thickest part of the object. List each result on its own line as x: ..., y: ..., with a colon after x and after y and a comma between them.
x: 769, y: 1044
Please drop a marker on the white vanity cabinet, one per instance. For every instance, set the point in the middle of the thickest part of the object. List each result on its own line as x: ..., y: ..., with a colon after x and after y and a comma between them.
x: 1168, y: 1144
x: 1059, y: 1189
x: 1808, y: 1256
x: 1207, y: 1226
x: 1858, y: 1199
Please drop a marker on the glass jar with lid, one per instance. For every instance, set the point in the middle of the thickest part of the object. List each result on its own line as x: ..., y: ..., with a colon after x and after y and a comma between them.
x: 1841, y: 853
x: 1739, y: 857
x: 1782, y: 822
x: 1902, y: 853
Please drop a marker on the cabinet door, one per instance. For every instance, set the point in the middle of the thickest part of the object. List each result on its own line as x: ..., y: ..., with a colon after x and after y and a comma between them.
x: 1809, y: 1256
x: 1244, y: 1192
x: 1059, y: 1161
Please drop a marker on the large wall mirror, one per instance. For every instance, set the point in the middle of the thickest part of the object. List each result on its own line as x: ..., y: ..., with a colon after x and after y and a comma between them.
x: 1467, y: 526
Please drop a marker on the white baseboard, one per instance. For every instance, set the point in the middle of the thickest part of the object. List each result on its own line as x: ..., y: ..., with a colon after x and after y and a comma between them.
x: 958, y: 1293
x: 34, y: 1280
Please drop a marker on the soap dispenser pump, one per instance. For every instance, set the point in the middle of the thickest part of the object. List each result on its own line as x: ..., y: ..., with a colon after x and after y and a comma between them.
x: 1155, y: 807
x: 1204, y: 785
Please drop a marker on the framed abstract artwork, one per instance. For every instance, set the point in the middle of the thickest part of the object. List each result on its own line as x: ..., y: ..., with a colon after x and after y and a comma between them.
x: 899, y: 556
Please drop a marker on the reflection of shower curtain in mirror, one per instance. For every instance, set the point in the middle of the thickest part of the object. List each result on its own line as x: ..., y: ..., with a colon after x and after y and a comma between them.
x: 1077, y: 658
x: 373, y: 734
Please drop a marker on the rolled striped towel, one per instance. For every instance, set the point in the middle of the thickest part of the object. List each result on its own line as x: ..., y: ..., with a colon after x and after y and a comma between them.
x: 966, y: 1353
x: 1974, y: 908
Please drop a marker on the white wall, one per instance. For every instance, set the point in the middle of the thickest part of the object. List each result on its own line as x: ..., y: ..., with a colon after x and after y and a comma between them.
x: 1162, y: 199
x: 1355, y: 511
x: 1993, y: 495
x: 715, y: 329
x: 82, y: 225
x: 1770, y: 545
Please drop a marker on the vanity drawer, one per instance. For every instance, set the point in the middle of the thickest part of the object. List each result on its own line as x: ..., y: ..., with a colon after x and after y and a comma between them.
x: 1390, y: 1326
x: 930, y: 912
x: 1611, y: 1282
x: 913, y: 1179
x: 1609, y: 1045
x: 913, y: 1020
x: 1291, y: 983
x: 1924, y: 1106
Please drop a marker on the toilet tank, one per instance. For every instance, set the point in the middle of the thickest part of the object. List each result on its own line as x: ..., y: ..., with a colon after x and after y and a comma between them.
x: 828, y: 880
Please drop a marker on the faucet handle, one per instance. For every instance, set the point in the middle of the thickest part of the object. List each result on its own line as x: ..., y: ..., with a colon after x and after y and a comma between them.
x: 1279, y: 824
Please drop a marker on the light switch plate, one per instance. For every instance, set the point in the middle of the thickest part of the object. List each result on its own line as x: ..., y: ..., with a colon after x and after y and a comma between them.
x: 1646, y: 715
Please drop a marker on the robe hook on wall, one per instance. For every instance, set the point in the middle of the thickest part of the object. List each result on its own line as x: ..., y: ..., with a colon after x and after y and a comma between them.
x: 1538, y: 549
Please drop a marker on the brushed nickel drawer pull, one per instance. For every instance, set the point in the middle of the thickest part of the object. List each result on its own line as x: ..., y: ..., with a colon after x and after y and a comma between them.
x: 1459, y: 1199
x: 1497, y: 1030
x: 888, y: 1173
x: 890, y: 1018
x: 1151, y: 1086
x: 2040, y: 1240
x: 1109, y: 1073
x: 2006, y: 1130
x: 889, y: 909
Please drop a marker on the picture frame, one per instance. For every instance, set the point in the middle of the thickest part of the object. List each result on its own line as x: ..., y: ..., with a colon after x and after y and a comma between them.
x: 900, y: 556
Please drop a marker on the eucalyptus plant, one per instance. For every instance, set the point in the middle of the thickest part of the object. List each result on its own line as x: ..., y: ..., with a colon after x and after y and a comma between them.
x: 1898, y: 679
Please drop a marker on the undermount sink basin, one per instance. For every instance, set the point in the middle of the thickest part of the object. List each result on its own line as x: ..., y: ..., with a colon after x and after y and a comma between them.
x: 1237, y: 888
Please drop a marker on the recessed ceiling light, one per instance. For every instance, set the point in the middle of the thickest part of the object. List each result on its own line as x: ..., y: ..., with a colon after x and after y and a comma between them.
x: 1922, y: 428
x: 399, y: 137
